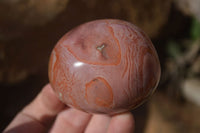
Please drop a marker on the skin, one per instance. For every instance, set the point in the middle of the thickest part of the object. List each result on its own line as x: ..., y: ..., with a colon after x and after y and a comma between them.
x: 46, y: 113
x: 104, y: 66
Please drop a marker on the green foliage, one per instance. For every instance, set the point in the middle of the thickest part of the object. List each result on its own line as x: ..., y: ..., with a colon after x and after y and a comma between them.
x: 173, y: 49
x: 195, y: 29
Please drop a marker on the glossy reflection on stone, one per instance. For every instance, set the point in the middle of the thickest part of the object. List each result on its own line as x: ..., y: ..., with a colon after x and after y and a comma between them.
x: 104, y: 66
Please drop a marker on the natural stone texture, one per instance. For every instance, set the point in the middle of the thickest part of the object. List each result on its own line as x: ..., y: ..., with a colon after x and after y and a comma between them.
x: 104, y: 66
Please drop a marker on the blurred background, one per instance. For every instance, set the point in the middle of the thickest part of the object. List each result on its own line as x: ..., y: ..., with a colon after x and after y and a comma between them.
x: 29, y: 29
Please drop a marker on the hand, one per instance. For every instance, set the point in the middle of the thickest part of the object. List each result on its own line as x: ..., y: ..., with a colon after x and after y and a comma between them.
x: 47, y: 114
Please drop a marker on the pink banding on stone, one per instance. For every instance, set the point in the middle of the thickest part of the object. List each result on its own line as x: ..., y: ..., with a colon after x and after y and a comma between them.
x: 104, y: 66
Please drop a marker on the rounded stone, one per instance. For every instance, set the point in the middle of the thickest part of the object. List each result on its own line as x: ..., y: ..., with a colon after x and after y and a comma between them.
x: 104, y: 66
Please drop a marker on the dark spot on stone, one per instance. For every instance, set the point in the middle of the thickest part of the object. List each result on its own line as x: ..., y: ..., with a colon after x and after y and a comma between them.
x: 81, y: 43
x: 83, y: 46
x: 95, y: 80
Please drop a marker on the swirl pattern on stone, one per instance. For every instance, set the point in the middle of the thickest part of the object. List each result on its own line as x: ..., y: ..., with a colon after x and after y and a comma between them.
x: 104, y: 66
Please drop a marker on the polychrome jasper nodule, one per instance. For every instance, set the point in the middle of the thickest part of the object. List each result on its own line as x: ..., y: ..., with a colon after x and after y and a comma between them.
x: 104, y: 66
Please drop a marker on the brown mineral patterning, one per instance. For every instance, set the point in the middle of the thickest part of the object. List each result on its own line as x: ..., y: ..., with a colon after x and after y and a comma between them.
x: 104, y: 66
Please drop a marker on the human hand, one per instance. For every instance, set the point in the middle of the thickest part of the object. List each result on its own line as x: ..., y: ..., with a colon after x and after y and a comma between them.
x: 47, y: 114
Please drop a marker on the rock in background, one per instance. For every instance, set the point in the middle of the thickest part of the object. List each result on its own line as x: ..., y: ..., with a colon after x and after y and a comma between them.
x: 18, y: 16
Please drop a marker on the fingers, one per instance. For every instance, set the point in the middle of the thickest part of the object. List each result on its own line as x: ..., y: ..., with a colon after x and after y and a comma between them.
x: 75, y: 121
x: 98, y: 124
x: 71, y: 121
x: 24, y: 124
x: 122, y: 123
x: 40, y: 112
